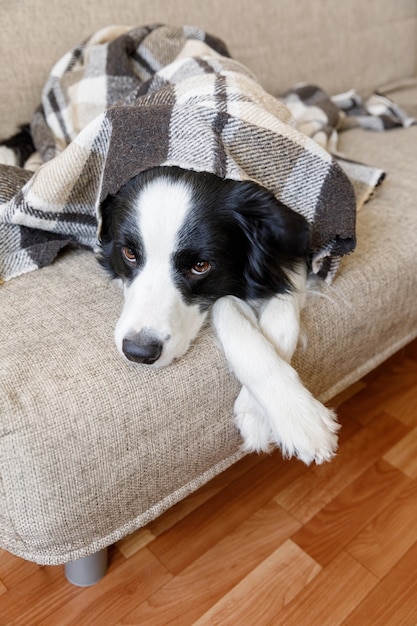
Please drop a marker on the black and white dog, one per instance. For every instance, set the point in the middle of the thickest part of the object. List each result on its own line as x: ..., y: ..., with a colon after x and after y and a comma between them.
x: 185, y: 244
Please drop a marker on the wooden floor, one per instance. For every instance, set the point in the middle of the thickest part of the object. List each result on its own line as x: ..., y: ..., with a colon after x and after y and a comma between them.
x: 267, y: 542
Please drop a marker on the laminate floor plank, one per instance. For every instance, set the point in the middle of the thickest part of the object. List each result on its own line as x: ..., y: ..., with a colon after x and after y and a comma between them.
x: 203, y: 583
x: 404, y: 454
x: 394, y: 391
x: 394, y: 601
x: 342, y: 585
x: 133, y: 581
x: 381, y: 544
x: 307, y: 495
x: 265, y: 591
x: 28, y: 602
x: 336, y: 524
x: 14, y: 570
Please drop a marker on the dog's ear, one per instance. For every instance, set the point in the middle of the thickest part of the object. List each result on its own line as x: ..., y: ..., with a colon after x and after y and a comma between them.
x: 277, y: 236
x: 105, y: 234
x: 105, y: 228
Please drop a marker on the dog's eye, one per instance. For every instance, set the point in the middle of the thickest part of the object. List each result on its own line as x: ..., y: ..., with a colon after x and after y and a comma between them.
x: 128, y: 255
x: 200, y: 268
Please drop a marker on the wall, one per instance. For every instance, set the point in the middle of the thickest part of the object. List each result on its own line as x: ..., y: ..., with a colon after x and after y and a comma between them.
x: 337, y: 44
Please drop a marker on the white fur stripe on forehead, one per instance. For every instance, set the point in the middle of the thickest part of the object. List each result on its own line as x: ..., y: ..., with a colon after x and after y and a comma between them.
x: 162, y: 207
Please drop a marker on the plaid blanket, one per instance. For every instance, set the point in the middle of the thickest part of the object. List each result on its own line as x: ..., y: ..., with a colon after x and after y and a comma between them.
x: 322, y: 118
x: 128, y: 100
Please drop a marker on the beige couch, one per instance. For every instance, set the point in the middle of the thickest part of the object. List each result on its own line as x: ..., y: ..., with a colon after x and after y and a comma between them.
x: 92, y: 447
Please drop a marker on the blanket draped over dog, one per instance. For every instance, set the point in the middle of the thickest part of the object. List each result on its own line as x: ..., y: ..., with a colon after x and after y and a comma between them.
x: 128, y: 100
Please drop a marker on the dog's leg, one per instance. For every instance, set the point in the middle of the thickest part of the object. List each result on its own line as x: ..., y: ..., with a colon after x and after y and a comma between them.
x: 288, y: 415
x: 279, y: 319
x: 279, y: 322
x: 249, y: 415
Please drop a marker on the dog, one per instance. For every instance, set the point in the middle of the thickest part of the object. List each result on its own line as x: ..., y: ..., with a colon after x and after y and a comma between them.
x: 188, y: 244
x: 191, y: 243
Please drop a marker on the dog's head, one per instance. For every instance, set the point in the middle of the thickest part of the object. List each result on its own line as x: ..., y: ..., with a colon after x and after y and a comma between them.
x: 179, y: 240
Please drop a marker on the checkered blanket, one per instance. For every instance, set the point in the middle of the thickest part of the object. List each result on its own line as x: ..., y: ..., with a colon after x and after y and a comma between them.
x: 128, y: 100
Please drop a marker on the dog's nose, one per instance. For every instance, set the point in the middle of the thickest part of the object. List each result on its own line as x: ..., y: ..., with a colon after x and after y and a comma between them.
x: 142, y: 348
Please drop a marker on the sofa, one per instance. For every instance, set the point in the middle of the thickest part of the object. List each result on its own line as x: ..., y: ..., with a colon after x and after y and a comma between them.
x: 93, y: 447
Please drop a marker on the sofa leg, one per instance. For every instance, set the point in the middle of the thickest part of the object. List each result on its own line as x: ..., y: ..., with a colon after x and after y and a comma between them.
x: 88, y: 570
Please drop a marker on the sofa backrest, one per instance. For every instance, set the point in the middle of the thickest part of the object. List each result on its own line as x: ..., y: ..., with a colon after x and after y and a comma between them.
x: 333, y: 43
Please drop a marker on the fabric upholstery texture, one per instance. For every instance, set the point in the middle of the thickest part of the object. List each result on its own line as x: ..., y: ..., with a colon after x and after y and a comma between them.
x: 92, y: 447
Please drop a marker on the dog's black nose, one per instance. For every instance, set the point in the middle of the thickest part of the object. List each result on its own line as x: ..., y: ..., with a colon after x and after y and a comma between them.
x: 142, y: 348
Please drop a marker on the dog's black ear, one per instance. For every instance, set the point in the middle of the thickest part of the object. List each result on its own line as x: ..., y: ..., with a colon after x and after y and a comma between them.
x: 277, y: 236
x: 105, y: 229
x: 105, y: 234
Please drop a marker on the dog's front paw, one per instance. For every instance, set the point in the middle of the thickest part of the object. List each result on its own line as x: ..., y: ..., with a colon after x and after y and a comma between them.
x: 327, y: 440
x: 309, y: 431
x: 251, y: 422
x: 303, y: 427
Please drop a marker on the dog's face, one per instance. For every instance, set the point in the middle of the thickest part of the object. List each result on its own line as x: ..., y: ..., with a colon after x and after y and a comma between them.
x: 179, y: 240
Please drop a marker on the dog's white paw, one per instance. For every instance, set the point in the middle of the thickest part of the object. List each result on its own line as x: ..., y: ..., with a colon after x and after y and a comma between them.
x: 299, y: 425
x: 307, y: 430
x: 251, y: 422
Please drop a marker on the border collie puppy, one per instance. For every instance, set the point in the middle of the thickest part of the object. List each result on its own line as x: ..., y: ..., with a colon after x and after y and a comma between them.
x: 185, y: 243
